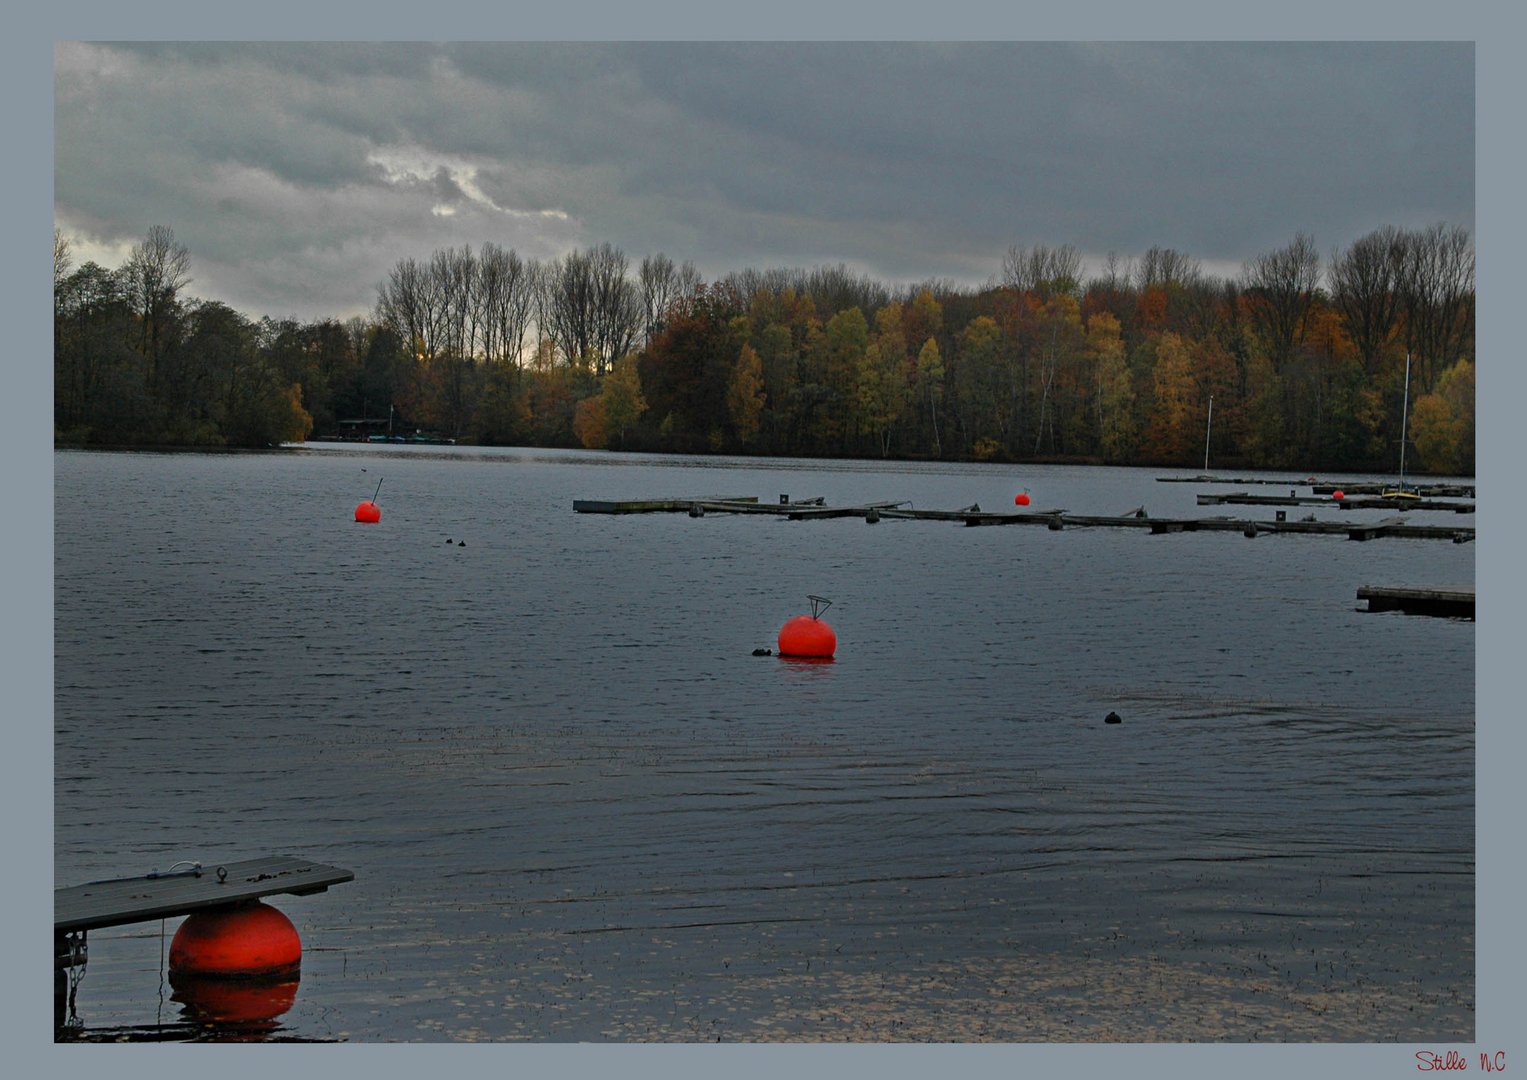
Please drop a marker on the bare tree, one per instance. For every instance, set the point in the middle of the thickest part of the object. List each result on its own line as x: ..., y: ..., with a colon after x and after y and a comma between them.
x: 1437, y: 297
x: 617, y: 307
x: 589, y: 307
x: 1162, y: 267
x: 157, y: 269
x: 658, y: 278
x: 568, y: 304
x: 1365, y: 281
x: 663, y: 285
x: 454, y: 281
x: 1043, y: 271
x: 62, y: 260
x: 407, y: 302
x: 453, y: 284
x: 504, y: 300
x: 1280, y: 286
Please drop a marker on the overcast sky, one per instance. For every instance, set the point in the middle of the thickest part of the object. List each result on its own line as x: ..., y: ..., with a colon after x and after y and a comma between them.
x: 298, y: 174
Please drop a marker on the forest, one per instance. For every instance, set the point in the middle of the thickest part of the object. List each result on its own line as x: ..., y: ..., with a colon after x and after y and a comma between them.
x: 1300, y: 361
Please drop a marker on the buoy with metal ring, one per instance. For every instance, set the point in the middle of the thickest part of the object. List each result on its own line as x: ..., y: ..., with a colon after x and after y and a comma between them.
x: 1022, y: 498
x: 808, y: 637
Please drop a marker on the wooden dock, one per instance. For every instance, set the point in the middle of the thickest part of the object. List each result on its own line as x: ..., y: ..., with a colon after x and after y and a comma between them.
x: 95, y: 905
x: 1241, y: 498
x: 1327, y: 487
x: 1055, y: 520
x: 157, y: 896
x: 1455, y: 603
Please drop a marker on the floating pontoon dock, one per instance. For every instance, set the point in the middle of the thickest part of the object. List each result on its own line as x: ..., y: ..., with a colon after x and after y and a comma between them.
x: 1241, y: 498
x: 1326, y: 487
x: 1455, y: 603
x: 815, y: 509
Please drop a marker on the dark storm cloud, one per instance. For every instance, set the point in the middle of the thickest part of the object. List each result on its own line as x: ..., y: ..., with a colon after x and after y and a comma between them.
x: 325, y: 163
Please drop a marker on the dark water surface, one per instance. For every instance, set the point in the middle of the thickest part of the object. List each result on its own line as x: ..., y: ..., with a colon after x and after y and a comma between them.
x: 578, y: 808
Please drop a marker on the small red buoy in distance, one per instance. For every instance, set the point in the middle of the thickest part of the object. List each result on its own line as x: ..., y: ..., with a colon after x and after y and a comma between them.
x: 369, y: 512
x: 242, y: 941
x: 1022, y: 498
x: 1338, y: 494
x: 807, y: 637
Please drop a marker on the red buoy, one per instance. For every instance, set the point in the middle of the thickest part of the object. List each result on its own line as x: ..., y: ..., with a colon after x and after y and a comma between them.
x: 1022, y: 498
x: 1338, y: 494
x: 807, y: 637
x: 245, y: 941
x: 368, y: 512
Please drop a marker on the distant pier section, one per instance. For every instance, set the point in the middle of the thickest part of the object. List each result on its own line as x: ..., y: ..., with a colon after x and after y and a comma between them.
x: 1322, y: 487
x: 816, y: 509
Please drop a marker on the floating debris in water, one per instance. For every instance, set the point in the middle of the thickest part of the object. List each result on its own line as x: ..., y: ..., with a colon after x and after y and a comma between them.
x: 1113, y: 718
x: 763, y: 652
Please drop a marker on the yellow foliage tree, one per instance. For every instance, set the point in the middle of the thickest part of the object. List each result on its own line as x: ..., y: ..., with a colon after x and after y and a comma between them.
x: 930, y: 377
x: 298, y: 423
x: 1170, y: 431
x: 620, y: 397
x: 745, y: 394
x: 589, y: 424
x: 1115, y: 397
x: 1442, y: 422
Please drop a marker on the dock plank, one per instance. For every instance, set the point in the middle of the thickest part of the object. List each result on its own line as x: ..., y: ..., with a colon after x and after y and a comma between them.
x: 120, y: 901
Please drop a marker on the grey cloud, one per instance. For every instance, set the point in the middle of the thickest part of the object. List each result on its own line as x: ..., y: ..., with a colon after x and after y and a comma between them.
x: 907, y: 160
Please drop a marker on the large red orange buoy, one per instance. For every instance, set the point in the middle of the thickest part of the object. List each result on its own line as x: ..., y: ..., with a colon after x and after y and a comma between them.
x: 245, y: 941
x: 1022, y: 498
x: 368, y: 512
x: 807, y: 637
x: 1338, y: 494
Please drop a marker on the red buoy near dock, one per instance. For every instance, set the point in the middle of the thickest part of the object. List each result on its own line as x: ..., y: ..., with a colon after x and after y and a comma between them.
x: 243, y: 941
x: 1338, y: 494
x: 1022, y: 498
x: 368, y: 513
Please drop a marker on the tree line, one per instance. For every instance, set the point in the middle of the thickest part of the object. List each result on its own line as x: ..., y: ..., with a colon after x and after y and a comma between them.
x: 1297, y: 361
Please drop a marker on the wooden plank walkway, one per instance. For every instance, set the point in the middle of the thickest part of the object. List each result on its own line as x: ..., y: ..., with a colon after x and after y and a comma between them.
x: 128, y: 900
x: 1456, y: 603
x: 1055, y: 520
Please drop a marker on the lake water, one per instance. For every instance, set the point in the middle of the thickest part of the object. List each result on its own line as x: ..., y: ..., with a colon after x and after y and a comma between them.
x: 578, y: 808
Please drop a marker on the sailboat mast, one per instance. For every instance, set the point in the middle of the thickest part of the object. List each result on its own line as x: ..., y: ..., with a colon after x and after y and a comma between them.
x: 1208, y: 430
x: 1404, y: 416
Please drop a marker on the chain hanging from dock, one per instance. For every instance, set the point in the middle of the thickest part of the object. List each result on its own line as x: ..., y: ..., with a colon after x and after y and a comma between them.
x: 78, y: 951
